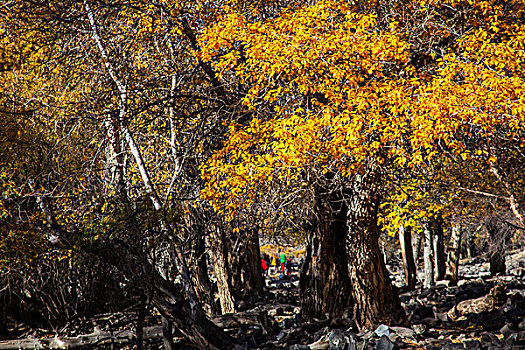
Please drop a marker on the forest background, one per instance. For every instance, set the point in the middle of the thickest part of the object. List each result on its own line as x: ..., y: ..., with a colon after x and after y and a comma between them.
x: 137, y: 136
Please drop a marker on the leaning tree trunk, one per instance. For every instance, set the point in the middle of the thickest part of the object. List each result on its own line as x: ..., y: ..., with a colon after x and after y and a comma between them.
x: 405, y: 241
x: 324, y: 282
x: 376, y: 300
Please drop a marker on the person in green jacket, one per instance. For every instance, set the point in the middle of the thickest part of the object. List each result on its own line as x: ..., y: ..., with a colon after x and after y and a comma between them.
x: 283, y: 260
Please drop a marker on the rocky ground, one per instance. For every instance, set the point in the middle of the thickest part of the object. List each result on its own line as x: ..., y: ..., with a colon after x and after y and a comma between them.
x: 274, y: 323
x: 428, y: 311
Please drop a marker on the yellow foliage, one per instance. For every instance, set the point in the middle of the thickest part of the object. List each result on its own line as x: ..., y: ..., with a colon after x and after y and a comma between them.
x: 343, y: 90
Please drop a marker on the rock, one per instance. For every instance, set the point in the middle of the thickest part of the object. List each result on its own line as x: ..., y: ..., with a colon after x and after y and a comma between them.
x: 366, y: 335
x: 445, y: 283
x: 403, y: 332
x: 516, y: 339
x: 521, y: 325
x: 489, y: 321
x: 382, y: 330
x: 421, y: 313
x: 281, y: 335
x: 300, y: 347
x: 385, y: 343
x: 441, y: 316
x: 340, y: 340
x: 489, y: 338
x: 496, y: 298
x: 419, y: 329
x: 471, y: 344
x: 506, y: 330
x: 431, y: 321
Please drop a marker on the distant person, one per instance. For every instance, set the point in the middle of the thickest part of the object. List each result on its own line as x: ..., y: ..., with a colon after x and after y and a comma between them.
x: 283, y: 260
x: 267, y: 259
x: 274, y: 263
x: 289, y: 267
x: 264, y: 266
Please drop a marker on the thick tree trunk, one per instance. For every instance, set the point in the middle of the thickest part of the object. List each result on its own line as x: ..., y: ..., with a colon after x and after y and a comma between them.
x: 376, y: 300
x: 496, y: 247
x: 199, y: 270
x: 250, y: 265
x: 453, y: 255
x: 405, y: 240
x: 238, y: 268
x: 325, y: 288
x: 427, y: 256
x: 222, y: 265
x: 438, y: 248
x: 199, y: 262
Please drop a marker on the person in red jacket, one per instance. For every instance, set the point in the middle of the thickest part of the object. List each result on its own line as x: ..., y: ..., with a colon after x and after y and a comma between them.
x: 264, y: 266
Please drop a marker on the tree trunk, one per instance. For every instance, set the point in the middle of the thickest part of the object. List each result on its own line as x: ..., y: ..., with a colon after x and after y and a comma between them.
x: 376, y: 300
x: 140, y: 320
x: 199, y: 263
x: 167, y: 334
x: 438, y: 247
x: 250, y: 265
x: 199, y: 272
x: 427, y: 256
x: 325, y: 288
x: 405, y: 240
x: 417, y: 248
x: 453, y: 255
x: 170, y: 300
x: 496, y: 247
x: 220, y: 247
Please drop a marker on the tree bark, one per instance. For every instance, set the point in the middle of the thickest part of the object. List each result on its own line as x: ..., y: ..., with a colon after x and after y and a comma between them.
x: 325, y: 288
x: 513, y: 203
x: 453, y: 255
x: 250, y: 266
x: 405, y: 240
x: 199, y: 262
x: 140, y: 320
x: 170, y: 300
x: 427, y: 256
x: 376, y: 300
x: 496, y: 247
x: 220, y: 247
x: 438, y: 248
x: 416, y: 245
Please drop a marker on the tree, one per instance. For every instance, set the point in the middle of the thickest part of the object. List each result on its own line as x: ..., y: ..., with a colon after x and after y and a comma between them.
x: 120, y: 109
x: 336, y: 89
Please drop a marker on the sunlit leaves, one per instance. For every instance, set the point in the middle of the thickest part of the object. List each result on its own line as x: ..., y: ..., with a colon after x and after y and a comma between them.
x: 343, y: 90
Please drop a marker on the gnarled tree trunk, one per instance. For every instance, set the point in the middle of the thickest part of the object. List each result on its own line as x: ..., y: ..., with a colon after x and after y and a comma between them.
x: 250, y: 266
x: 324, y: 282
x: 376, y: 300
x: 497, y: 264
x: 222, y: 269
x: 199, y: 268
